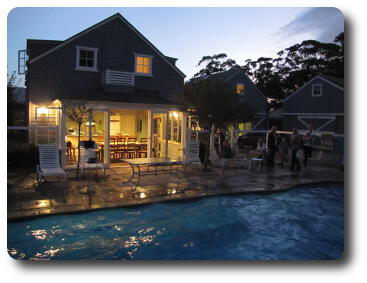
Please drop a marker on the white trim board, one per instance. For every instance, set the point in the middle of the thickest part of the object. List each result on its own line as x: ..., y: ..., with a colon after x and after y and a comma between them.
x: 310, y: 81
x: 105, y: 21
x: 258, y: 123
x: 329, y: 118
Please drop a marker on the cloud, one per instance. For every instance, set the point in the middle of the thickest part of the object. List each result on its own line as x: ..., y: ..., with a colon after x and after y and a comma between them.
x: 322, y: 24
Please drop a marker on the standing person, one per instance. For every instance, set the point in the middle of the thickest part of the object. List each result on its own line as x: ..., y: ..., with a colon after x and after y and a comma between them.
x: 283, y: 151
x: 226, y: 154
x: 261, y: 148
x: 272, y: 146
x: 307, y: 140
x: 295, y: 145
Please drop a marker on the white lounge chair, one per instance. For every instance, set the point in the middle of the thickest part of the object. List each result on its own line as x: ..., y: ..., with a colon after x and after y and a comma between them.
x: 49, y: 163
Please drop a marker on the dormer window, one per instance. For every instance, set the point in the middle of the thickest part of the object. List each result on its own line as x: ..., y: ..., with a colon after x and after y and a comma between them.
x: 240, y: 89
x: 143, y: 65
x: 317, y: 90
x: 86, y: 58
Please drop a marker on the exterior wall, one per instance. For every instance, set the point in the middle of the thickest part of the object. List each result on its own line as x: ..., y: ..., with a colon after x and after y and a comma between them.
x: 254, y: 97
x: 252, y: 94
x: 331, y: 101
x: 315, y: 109
x: 54, y: 76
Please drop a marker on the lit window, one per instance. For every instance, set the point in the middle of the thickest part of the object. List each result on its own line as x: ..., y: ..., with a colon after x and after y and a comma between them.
x: 143, y: 64
x: 86, y: 58
x: 240, y: 89
x: 316, y: 89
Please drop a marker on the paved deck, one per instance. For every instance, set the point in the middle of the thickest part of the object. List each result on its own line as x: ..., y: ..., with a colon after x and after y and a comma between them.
x: 28, y: 199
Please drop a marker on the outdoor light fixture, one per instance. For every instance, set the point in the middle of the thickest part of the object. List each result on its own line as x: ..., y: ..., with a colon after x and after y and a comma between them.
x: 87, y: 123
x: 175, y: 114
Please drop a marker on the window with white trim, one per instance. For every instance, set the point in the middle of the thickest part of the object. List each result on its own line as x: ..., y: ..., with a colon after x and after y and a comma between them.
x: 86, y: 58
x: 240, y: 89
x: 317, y: 90
x: 143, y: 64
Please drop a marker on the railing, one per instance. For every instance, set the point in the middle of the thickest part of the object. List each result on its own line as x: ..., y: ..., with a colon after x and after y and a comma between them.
x: 119, y: 78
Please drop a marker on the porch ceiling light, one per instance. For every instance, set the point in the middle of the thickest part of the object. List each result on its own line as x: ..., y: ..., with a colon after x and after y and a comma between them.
x: 175, y: 114
x: 42, y: 110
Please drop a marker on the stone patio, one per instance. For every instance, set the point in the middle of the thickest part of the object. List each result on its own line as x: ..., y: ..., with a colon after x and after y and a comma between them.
x: 28, y: 199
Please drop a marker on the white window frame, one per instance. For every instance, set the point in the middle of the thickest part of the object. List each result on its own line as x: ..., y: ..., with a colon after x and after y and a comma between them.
x: 95, y: 62
x: 150, y: 74
x: 313, y: 90
x: 243, y: 93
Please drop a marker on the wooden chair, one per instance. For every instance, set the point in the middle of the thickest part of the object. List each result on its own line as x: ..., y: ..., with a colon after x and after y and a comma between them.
x: 131, y: 140
x: 131, y: 150
x: 144, y: 140
x: 121, y: 140
x: 143, y: 150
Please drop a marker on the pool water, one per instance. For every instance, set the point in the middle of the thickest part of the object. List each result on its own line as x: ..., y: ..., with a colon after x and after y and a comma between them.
x: 301, y: 224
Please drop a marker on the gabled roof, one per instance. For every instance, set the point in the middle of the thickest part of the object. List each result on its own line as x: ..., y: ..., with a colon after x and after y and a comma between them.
x: 322, y: 77
x: 105, y: 21
x: 334, y: 80
x: 229, y: 74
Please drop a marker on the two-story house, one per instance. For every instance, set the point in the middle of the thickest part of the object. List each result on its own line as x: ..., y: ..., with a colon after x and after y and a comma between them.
x: 320, y: 103
x: 133, y: 88
x: 243, y: 85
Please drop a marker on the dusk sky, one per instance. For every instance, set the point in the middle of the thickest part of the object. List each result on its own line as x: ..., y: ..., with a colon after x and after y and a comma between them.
x: 185, y: 33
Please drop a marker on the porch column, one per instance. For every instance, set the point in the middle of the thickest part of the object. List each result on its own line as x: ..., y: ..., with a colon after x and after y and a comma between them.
x: 150, y: 123
x: 166, y: 132
x: 90, y: 120
x: 62, y: 143
x: 106, y: 149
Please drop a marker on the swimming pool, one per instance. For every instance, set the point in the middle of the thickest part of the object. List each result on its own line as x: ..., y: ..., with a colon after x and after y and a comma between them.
x: 301, y: 224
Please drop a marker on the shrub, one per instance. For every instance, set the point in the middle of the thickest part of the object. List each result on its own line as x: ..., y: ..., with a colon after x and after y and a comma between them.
x: 22, y: 155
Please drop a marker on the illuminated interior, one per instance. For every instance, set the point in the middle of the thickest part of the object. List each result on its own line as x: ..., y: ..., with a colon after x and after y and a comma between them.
x: 143, y: 64
x: 240, y: 89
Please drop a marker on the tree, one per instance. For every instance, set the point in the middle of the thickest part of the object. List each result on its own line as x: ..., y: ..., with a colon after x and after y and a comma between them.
x: 11, y: 84
x: 214, y: 64
x: 296, y: 65
x: 78, y: 113
x: 214, y: 102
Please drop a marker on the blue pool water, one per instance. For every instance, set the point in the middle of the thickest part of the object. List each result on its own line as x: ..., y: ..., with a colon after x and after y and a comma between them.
x: 303, y: 223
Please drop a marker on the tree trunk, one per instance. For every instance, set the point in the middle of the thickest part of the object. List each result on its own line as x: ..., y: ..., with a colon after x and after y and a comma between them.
x: 78, y: 163
x: 207, y: 150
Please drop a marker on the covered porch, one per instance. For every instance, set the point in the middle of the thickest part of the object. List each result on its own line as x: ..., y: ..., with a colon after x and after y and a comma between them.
x: 126, y: 131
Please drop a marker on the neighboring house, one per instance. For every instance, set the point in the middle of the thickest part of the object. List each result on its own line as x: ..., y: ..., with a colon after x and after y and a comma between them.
x: 319, y: 103
x: 133, y: 88
x: 242, y: 85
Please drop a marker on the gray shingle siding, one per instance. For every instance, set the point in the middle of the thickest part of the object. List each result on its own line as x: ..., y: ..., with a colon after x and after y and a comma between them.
x: 54, y: 76
x: 252, y: 94
x: 310, y: 108
x: 331, y: 101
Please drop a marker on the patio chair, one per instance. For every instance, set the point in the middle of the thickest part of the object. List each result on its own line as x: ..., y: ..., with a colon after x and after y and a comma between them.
x: 49, y: 163
x: 86, y: 155
x: 258, y: 160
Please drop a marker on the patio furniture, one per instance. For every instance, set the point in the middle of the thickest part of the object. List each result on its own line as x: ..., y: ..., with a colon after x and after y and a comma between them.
x: 259, y: 163
x: 130, y: 150
x: 88, y: 159
x: 121, y: 140
x: 131, y: 140
x: 144, y: 140
x: 49, y: 163
x: 142, y: 151
x: 137, y: 165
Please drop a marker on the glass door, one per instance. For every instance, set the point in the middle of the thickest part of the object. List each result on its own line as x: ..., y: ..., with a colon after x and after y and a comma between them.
x: 159, y: 145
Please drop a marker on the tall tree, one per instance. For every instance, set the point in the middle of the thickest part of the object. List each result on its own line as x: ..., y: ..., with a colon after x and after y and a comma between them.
x: 11, y: 84
x: 214, y: 102
x: 294, y: 66
x: 214, y: 64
